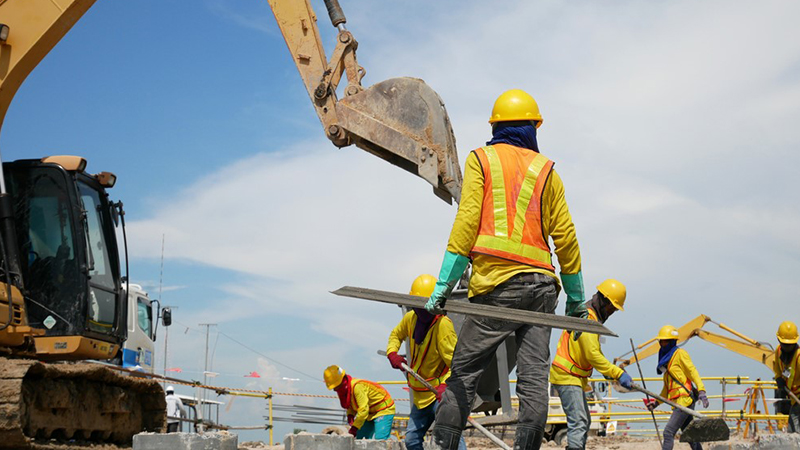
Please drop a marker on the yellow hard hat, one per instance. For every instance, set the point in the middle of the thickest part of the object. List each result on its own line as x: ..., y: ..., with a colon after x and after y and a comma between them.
x: 423, y: 285
x: 787, y: 333
x: 514, y: 105
x: 667, y: 332
x: 333, y: 376
x: 614, y: 291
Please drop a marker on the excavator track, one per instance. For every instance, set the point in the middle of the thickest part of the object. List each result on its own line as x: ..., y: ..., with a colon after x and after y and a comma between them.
x: 42, y: 404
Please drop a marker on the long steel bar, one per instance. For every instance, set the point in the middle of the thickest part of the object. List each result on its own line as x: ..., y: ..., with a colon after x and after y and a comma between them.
x: 641, y: 375
x: 494, y: 312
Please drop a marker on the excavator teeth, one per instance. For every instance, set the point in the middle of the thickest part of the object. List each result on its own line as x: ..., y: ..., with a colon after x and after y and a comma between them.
x: 404, y: 121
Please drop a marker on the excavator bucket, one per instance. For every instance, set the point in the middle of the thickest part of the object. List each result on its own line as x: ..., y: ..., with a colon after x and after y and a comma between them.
x: 404, y: 121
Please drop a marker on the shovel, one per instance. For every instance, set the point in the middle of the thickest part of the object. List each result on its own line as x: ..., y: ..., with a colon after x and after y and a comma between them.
x: 471, y: 421
x: 706, y: 429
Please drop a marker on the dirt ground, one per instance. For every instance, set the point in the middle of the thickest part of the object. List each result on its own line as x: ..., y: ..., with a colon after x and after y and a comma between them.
x: 595, y: 443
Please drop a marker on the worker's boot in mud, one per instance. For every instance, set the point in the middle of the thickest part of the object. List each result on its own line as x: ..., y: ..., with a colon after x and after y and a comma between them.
x: 446, y: 437
x: 528, y: 437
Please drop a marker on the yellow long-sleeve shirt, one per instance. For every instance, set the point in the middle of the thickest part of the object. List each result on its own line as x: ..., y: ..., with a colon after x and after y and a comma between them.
x: 489, y: 271
x: 682, y: 368
x: 790, y: 372
x: 368, y: 401
x: 586, y: 353
x: 431, y: 359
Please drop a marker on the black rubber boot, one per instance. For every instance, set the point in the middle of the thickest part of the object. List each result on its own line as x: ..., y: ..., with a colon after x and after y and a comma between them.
x: 528, y: 438
x: 446, y: 437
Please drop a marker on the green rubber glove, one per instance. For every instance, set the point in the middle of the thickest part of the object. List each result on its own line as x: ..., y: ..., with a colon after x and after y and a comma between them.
x: 453, y: 266
x: 576, y: 307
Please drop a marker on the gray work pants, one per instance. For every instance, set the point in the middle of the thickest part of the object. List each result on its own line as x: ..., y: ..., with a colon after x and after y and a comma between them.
x: 579, y: 419
x: 678, y: 419
x: 480, y: 337
x: 794, y: 419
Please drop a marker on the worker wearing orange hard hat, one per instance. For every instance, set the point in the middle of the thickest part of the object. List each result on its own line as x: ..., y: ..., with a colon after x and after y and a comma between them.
x: 576, y: 359
x: 512, y: 204
x: 431, y: 341
x: 787, y: 371
x: 682, y: 385
x: 370, y: 408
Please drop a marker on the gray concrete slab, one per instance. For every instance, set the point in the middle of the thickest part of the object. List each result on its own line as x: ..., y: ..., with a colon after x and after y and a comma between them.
x: 765, y: 442
x: 185, y: 441
x: 309, y: 441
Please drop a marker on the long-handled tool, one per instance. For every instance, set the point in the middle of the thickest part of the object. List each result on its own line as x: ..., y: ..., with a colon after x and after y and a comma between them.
x: 791, y: 394
x: 707, y: 429
x: 471, y: 421
x: 494, y: 312
x: 641, y: 375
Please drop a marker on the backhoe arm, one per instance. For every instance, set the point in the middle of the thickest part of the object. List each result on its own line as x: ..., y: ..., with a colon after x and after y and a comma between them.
x: 401, y: 120
x: 33, y: 28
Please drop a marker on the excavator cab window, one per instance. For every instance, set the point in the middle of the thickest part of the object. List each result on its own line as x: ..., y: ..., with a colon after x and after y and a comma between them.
x: 43, y: 215
x: 102, y: 285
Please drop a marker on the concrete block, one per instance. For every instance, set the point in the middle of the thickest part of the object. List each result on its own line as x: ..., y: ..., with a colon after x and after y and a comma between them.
x: 779, y: 442
x: 726, y: 446
x: 308, y: 441
x: 371, y: 444
x: 185, y: 441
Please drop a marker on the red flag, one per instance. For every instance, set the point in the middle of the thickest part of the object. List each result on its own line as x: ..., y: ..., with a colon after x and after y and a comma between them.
x: 252, y: 375
x: 174, y: 369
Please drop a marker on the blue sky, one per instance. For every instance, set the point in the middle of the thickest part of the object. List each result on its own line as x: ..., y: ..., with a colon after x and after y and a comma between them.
x: 672, y: 125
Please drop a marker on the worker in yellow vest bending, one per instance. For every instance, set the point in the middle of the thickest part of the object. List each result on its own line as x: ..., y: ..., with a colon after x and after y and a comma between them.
x: 512, y: 204
x: 576, y: 358
x: 787, y: 371
x: 370, y: 409
x: 682, y: 384
x: 432, y: 340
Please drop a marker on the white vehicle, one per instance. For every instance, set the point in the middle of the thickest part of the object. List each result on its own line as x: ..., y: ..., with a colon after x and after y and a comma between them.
x: 137, y: 350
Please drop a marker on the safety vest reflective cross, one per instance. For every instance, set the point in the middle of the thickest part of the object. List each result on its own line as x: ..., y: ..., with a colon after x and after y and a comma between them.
x: 676, y: 390
x: 563, y: 359
x: 511, y: 214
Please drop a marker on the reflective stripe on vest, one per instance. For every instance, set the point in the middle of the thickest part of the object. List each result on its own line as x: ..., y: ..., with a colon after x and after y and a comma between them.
x: 564, y: 361
x: 682, y: 391
x: 514, y: 180
x: 417, y: 359
x: 792, y: 370
x: 377, y: 406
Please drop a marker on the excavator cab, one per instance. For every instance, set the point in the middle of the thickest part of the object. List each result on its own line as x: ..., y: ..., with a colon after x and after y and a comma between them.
x: 68, y: 258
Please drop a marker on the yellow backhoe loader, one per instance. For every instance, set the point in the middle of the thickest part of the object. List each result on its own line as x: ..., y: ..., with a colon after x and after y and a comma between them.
x: 61, y: 287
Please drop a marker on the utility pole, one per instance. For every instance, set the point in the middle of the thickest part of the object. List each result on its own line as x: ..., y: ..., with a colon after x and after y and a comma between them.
x: 205, y: 366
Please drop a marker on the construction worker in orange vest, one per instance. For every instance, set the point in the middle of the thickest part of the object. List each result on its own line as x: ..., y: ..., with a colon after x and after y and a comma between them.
x: 787, y: 372
x: 432, y: 339
x: 370, y: 409
x: 512, y: 203
x: 682, y: 385
x: 576, y: 358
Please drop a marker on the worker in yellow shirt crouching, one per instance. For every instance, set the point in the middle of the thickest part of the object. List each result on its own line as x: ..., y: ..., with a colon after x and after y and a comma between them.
x: 370, y: 408
x: 576, y: 358
x: 432, y: 339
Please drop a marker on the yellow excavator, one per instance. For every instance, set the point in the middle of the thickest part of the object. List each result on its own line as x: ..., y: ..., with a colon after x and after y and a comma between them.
x: 61, y: 288
x: 739, y: 343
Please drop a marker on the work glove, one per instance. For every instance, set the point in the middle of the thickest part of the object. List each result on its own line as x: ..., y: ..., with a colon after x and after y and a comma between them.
x: 781, y: 383
x: 576, y: 307
x: 350, y: 419
x: 353, y: 430
x: 650, y: 403
x: 625, y: 381
x: 453, y: 266
x: 703, y: 398
x: 396, y: 360
x: 440, y: 391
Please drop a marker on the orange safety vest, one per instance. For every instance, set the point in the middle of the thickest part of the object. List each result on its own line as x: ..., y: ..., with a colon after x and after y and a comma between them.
x: 375, y: 407
x: 417, y: 358
x: 511, y: 215
x: 790, y: 381
x: 564, y: 361
x: 675, y: 389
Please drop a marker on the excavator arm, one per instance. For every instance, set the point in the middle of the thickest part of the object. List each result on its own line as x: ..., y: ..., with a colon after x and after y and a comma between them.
x: 401, y: 120
x: 741, y: 344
